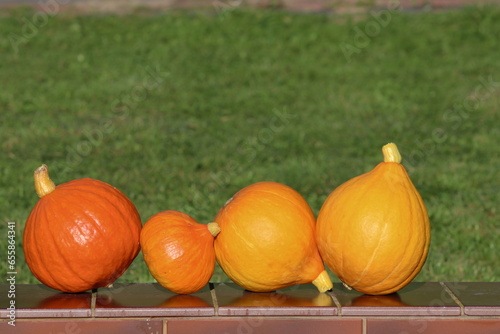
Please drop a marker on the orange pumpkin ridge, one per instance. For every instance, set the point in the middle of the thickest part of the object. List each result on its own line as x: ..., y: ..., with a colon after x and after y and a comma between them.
x: 80, y: 235
x: 373, y: 231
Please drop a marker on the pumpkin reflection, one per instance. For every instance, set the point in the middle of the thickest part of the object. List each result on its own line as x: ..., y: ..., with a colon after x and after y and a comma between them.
x: 274, y: 299
x: 184, y: 301
x: 106, y: 301
x: 391, y: 300
x: 66, y: 301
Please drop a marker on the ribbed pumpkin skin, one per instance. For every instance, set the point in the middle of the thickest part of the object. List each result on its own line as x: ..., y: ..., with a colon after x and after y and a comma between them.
x: 373, y: 231
x: 178, y: 251
x: 81, y: 236
x: 267, y: 239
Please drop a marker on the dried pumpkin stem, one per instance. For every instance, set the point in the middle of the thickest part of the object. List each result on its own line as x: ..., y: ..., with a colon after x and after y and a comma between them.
x: 213, y: 228
x: 347, y: 286
x: 43, y: 184
x: 391, y: 153
x: 323, y: 282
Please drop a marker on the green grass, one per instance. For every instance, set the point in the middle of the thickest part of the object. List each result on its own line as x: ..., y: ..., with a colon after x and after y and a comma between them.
x: 181, y: 110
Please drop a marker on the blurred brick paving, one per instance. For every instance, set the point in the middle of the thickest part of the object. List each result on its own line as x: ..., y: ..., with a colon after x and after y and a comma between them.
x: 333, y: 6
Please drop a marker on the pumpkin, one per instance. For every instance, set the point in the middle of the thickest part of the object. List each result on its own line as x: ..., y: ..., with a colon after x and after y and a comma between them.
x: 373, y: 231
x: 178, y: 251
x: 267, y: 241
x: 80, y: 235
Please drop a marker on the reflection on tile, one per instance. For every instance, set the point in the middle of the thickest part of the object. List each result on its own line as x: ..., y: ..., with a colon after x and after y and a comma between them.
x: 297, y: 300
x: 262, y: 325
x: 186, y: 301
x: 122, y: 326
x: 151, y: 299
x: 40, y: 301
x: 433, y: 326
x: 478, y: 298
x: 423, y: 299
x: 392, y: 300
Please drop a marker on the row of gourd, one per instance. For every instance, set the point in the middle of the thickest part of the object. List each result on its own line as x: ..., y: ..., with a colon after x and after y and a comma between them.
x: 372, y: 232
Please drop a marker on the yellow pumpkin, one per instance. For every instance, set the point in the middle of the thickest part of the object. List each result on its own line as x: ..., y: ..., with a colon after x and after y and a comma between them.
x: 267, y: 239
x: 373, y: 231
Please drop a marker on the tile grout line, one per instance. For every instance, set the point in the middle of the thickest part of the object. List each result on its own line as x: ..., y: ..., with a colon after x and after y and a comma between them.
x: 455, y: 298
x: 214, y: 299
x: 363, y: 328
x: 93, y: 303
x: 337, y: 303
x: 165, y: 326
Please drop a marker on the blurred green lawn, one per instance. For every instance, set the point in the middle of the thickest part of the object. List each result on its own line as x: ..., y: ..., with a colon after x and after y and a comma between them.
x: 181, y: 110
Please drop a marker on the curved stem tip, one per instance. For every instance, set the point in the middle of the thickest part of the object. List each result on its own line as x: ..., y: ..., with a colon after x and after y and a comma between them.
x: 391, y: 153
x: 43, y: 184
x: 323, y: 282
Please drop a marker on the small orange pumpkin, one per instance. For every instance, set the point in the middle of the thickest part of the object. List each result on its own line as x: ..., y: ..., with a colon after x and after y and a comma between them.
x: 267, y: 239
x: 80, y: 235
x: 178, y: 251
x: 373, y: 231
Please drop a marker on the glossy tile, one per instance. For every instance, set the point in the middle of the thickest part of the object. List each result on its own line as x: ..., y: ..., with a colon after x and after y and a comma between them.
x: 416, y: 299
x: 478, y: 298
x: 40, y: 301
x: 151, y: 299
x: 122, y: 326
x: 263, y: 325
x: 299, y: 300
x: 433, y: 326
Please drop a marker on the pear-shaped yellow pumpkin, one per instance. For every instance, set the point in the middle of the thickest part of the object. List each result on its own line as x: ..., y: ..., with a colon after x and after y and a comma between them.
x: 373, y: 231
x: 267, y: 239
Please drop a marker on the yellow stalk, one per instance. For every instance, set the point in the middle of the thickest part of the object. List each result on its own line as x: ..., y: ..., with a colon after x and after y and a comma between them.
x: 43, y: 184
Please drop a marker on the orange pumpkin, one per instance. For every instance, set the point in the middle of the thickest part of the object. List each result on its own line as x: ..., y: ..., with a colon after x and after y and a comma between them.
x: 80, y: 235
x: 178, y: 251
x: 373, y: 231
x: 267, y: 239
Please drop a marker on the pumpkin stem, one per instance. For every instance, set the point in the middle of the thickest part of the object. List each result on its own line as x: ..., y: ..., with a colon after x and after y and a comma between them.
x: 391, y: 153
x: 323, y: 282
x: 213, y: 228
x: 346, y: 286
x: 43, y: 184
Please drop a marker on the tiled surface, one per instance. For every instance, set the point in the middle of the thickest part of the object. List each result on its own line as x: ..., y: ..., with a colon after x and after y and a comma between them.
x: 416, y: 299
x: 299, y: 300
x: 121, y: 326
x: 266, y: 326
x: 433, y: 326
x: 424, y: 304
x: 478, y: 298
x: 151, y: 299
x: 39, y: 301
